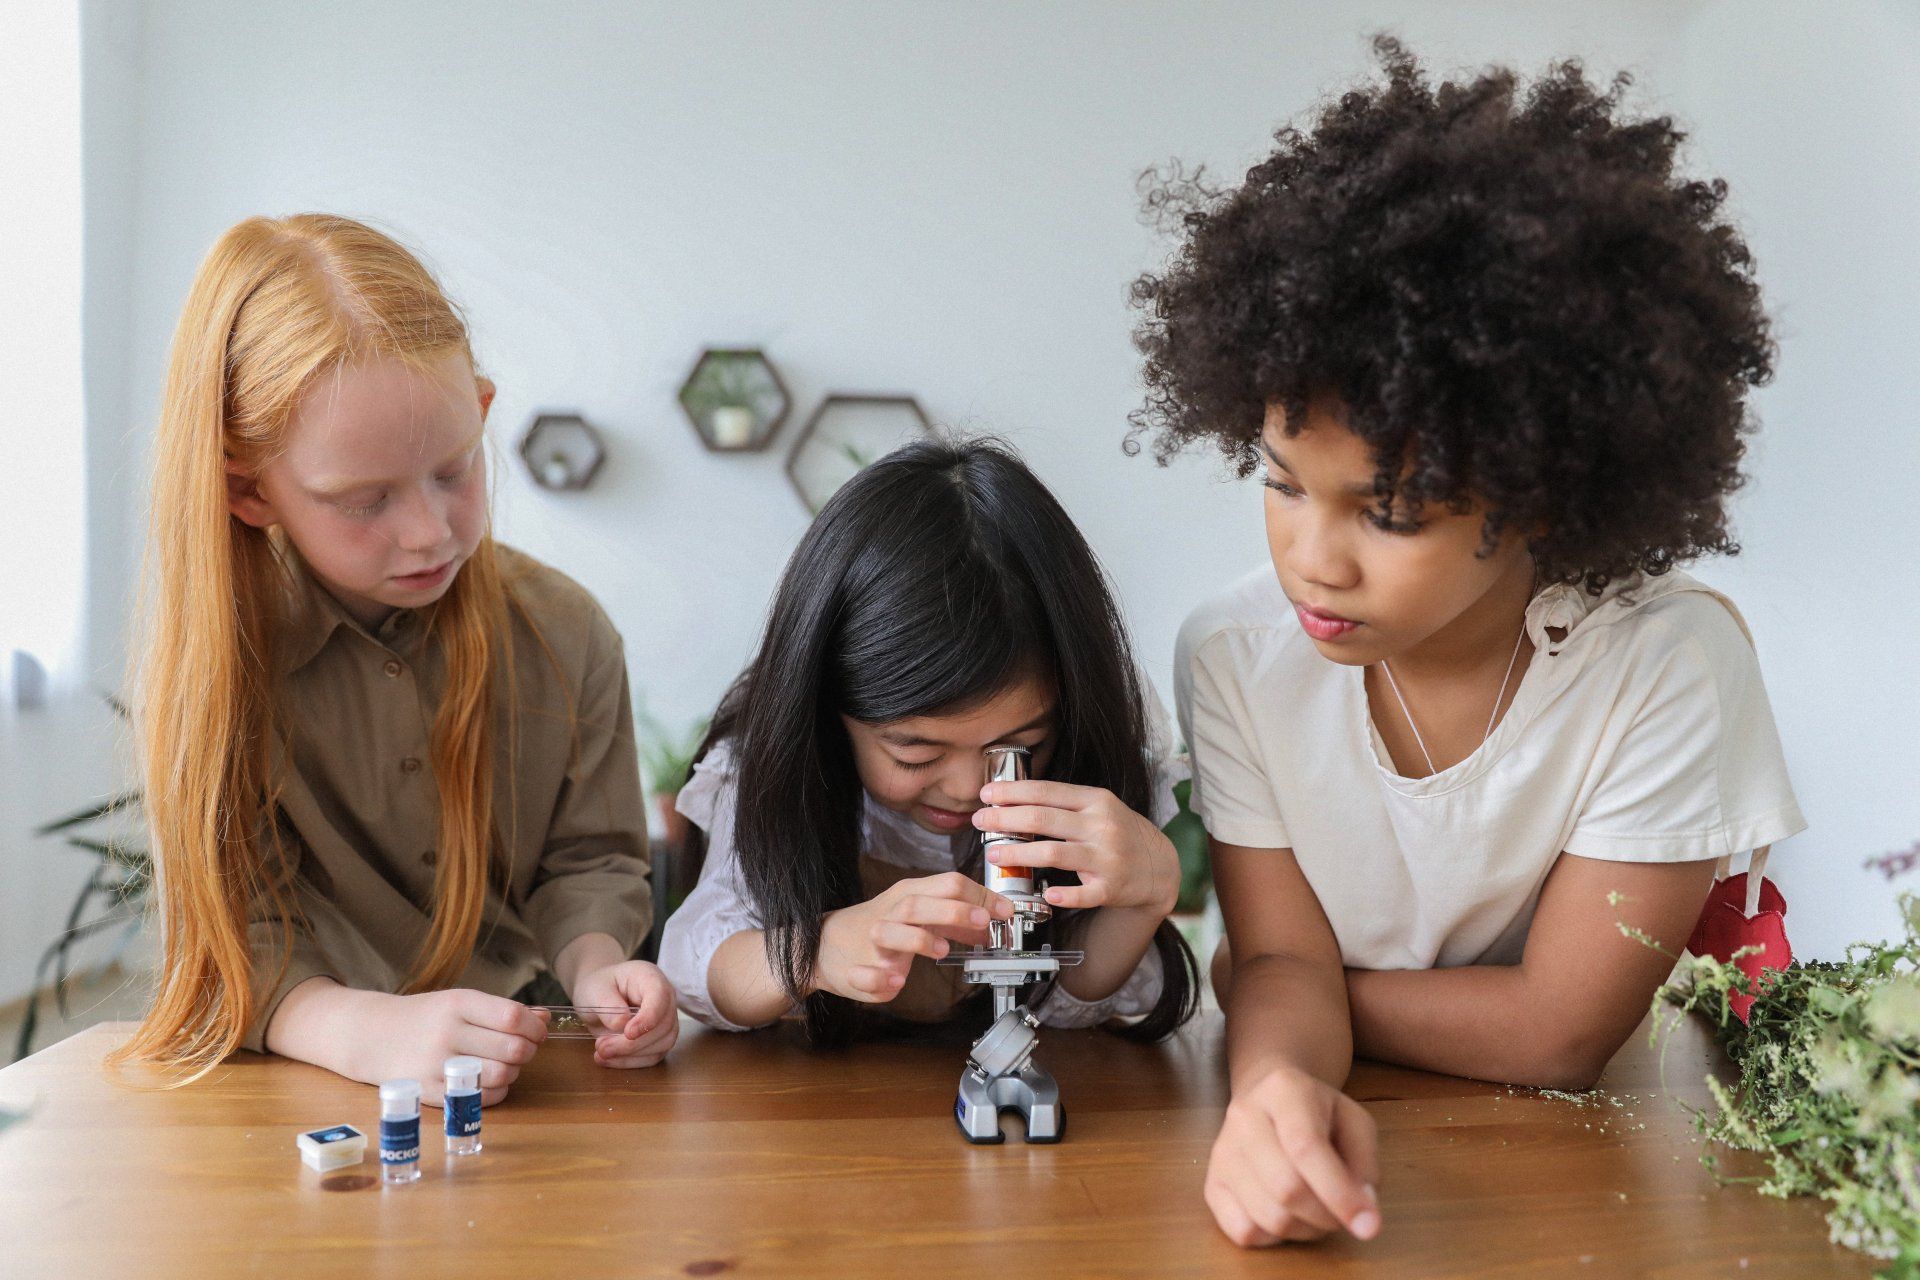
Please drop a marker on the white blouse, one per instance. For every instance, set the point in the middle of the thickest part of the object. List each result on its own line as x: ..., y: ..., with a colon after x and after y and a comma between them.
x: 720, y: 905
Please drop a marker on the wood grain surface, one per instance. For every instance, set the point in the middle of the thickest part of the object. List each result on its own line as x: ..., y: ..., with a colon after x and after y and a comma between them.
x: 749, y: 1155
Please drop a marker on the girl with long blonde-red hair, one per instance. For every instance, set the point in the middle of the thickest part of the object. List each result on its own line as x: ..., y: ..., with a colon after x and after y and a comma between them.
x: 390, y: 769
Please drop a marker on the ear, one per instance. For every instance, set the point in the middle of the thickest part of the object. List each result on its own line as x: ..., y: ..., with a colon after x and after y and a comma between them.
x: 245, y: 500
x: 487, y: 390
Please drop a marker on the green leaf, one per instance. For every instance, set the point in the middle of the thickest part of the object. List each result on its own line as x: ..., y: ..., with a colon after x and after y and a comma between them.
x: 1189, y: 839
x: 666, y: 756
x: 125, y: 800
x: 1826, y: 1104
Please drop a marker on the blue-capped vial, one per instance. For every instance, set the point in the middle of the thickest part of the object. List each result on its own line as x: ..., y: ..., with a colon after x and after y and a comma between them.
x: 400, y: 1131
x: 463, y: 1106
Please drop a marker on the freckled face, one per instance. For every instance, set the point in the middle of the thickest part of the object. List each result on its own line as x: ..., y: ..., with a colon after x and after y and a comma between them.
x: 382, y: 483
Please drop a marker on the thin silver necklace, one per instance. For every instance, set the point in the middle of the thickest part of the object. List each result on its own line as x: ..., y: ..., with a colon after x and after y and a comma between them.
x: 1498, y: 698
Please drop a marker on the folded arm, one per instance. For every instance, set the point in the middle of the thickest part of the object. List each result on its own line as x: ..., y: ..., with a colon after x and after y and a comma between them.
x: 1556, y: 1018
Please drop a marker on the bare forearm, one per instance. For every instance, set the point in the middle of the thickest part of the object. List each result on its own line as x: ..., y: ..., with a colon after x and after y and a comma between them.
x: 1558, y: 1016
x: 1481, y: 1021
x: 1284, y: 1011
x: 1115, y: 940
x: 320, y: 1022
x: 741, y: 984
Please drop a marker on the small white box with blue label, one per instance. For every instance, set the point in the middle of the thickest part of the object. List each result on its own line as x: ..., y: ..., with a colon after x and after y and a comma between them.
x: 332, y: 1148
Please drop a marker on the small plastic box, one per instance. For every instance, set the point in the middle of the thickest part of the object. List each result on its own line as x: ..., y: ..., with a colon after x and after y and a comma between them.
x: 332, y: 1148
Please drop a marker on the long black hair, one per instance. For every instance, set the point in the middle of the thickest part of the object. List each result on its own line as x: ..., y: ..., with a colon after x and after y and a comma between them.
x: 930, y: 582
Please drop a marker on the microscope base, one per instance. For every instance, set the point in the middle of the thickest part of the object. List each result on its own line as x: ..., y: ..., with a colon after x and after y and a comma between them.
x: 1031, y: 1091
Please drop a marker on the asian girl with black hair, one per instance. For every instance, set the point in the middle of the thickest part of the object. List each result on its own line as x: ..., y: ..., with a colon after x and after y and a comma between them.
x: 941, y: 603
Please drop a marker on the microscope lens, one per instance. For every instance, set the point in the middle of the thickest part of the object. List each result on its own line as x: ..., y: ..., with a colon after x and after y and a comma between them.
x: 1007, y: 764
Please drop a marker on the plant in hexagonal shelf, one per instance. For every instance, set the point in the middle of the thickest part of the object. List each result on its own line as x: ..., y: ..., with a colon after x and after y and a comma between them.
x: 562, y: 451
x: 734, y: 398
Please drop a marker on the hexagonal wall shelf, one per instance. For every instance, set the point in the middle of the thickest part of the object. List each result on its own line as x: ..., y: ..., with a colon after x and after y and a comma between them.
x: 845, y: 434
x: 734, y: 398
x: 562, y: 451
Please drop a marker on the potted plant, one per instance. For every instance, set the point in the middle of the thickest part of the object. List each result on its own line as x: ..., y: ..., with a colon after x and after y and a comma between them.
x: 121, y: 881
x: 726, y: 396
x: 666, y: 759
x: 1191, y: 910
x: 1190, y: 842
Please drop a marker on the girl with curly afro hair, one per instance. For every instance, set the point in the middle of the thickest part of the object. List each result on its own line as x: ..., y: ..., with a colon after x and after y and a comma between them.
x: 1490, y: 353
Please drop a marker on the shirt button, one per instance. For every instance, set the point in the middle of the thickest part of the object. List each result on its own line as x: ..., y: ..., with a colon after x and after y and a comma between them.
x: 392, y: 668
x: 410, y: 765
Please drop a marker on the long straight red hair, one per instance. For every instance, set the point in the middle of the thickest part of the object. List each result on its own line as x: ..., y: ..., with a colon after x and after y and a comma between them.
x: 277, y: 304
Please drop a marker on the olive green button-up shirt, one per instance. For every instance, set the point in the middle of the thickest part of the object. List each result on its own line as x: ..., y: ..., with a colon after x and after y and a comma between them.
x: 359, y: 809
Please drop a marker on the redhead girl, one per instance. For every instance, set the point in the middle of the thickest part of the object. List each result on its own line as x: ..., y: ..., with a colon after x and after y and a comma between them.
x: 390, y: 768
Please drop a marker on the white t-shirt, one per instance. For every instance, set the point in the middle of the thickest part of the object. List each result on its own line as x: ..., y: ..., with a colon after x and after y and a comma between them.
x: 720, y: 905
x: 1642, y: 735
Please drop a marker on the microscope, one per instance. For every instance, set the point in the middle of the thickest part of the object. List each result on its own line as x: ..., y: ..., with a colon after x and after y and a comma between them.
x: 1001, y: 1074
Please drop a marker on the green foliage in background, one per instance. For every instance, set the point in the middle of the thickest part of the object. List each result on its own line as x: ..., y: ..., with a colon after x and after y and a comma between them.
x: 121, y: 881
x: 1190, y: 842
x: 666, y: 756
x: 726, y: 380
x: 1829, y: 1088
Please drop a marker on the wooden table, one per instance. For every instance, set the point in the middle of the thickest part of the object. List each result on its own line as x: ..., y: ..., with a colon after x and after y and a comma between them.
x: 750, y: 1156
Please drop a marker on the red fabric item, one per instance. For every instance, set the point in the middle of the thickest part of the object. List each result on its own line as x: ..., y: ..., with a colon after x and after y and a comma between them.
x: 1725, y: 928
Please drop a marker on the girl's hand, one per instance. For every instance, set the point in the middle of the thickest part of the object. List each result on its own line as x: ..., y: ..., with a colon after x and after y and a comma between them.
x: 866, y: 950
x: 1295, y: 1159
x: 640, y: 1039
x: 411, y: 1038
x: 1123, y: 860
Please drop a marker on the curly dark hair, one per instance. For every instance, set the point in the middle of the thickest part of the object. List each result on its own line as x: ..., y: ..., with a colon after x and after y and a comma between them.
x: 1508, y: 291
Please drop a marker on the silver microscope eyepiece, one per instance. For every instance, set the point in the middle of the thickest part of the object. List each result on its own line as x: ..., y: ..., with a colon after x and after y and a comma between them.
x: 1015, y: 883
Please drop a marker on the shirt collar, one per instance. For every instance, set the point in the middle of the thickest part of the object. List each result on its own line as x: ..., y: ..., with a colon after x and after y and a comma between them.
x: 314, y: 615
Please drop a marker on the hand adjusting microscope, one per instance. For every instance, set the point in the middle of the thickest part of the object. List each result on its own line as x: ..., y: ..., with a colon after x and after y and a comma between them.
x: 1001, y: 1074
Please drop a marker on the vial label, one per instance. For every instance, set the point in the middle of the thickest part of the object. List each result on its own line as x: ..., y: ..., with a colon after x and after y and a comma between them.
x: 400, y: 1141
x: 1001, y: 876
x: 463, y: 1114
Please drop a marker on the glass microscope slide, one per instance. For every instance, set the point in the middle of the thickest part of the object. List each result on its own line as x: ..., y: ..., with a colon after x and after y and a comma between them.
x: 579, y: 1021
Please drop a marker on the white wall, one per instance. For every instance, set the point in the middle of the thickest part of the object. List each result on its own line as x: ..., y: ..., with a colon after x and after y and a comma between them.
x: 61, y: 546
x: 117, y: 431
x: 930, y: 198
x: 41, y: 503
x: 939, y: 199
x: 1813, y: 117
